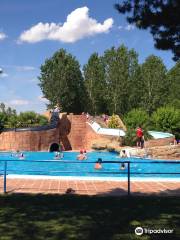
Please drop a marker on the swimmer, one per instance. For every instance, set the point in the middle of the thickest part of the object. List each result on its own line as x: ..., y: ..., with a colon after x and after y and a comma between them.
x: 81, y: 156
x: 98, y: 164
x: 123, y: 154
x: 85, y: 153
x: 57, y: 155
x: 21, y: 156
x: 122, y: 166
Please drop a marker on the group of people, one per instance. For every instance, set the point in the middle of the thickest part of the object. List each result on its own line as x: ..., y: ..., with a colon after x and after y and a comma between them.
x: 18, y: 154
x: 123, y: 154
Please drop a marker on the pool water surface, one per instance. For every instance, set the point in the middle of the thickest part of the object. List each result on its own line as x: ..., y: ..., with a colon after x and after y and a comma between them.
x: 69, y: 166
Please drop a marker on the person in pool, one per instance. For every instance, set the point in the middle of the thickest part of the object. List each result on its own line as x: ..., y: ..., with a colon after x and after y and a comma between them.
x: 57, y: 155
x: 81, y: 156
x: 21, y: 156
x: 122, y: 167
x: 85, y: 153
x: 123, y: 154
x: 98, y: 164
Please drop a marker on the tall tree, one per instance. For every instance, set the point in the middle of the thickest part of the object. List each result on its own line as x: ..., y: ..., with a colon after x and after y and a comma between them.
x: 61, y: 82
x: 121, y: 68
x: 174, y: 91
x: 161, y: 16
x: 116, y: 63
x: 155, y: 84
x: 134, y: 89
x: 94, y: 79
x: 2, y: 107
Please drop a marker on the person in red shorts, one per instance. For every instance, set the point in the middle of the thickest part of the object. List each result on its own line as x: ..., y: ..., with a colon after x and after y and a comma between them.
x: 140, y: 137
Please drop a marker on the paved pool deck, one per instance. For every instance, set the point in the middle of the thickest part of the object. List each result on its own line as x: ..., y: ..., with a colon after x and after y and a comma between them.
x: 90, y: 187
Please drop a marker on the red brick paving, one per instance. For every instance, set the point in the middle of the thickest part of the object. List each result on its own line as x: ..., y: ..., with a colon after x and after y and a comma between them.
x: 89, y: 187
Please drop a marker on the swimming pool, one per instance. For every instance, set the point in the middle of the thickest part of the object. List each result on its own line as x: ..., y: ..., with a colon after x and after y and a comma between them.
x: 43, y: 163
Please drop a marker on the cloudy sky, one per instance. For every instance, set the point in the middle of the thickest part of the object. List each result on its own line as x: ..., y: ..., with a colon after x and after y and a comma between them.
x: 31, y: 31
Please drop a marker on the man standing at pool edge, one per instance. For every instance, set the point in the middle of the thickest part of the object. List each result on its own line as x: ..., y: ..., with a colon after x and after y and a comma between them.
x: 140, y: 137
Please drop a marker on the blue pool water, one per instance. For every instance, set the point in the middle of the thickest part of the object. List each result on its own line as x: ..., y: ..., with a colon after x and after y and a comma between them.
x: 69, y: 166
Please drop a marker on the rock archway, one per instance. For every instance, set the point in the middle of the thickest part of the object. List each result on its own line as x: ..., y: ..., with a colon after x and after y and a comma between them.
x: 54, y: 147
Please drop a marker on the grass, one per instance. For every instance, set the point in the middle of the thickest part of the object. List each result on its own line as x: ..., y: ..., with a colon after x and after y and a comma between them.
x: 70, y: 217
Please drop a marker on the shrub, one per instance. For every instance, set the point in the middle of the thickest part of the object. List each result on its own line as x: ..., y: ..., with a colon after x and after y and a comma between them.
x: 115, y: 122
x: 30, y: 118
x: 42, y: 120
x: 130, y: 137
x: 135, y: 118
x: 12, y: 121
x: 3, y: 119
x: 166, y: 119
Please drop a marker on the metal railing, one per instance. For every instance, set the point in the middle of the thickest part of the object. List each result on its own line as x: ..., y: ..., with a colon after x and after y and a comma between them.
x: 128, y: 167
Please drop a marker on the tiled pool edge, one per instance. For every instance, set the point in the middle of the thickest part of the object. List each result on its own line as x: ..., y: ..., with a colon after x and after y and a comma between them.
x: 91, y: 187
x: 84, y: 178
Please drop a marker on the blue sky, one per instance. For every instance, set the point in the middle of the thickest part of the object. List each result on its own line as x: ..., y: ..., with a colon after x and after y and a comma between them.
x: 31, y: 31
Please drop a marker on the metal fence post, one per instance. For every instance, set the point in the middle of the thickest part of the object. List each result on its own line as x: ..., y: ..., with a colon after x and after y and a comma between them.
x: 5, y: 172
x: 129, y: 181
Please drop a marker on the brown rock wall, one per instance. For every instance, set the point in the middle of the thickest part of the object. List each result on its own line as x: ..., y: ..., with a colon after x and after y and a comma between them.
x: 159, y: 142
x: 28, y: 140
x: 73, y: 132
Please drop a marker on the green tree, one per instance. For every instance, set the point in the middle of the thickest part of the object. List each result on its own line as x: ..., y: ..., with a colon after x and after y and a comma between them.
x: 12, y: 122
x: 2, y: 107
x: 94, y: 79
x: 174, y: 90
x: 115, y: 122
x: 120, y: 69
x: 3, y: 119
x: 167, y: 119
x: 162, y: 17
x: 155, y: 84
x: 30, y: 118
x: 61, y: 82
x: 135, y: 118
x: 135, y: 85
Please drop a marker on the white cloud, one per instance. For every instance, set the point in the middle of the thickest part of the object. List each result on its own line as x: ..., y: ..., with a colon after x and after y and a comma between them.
x: 24, y: 68
x: 3, y: 75
x: 18, y: 102
x: 120, y: 27
x: 129, y: 27
x: 33, y: 80
x: 20, y: 68
x: 77, y: 26
x: 43, y: 99
x: 2, y: 36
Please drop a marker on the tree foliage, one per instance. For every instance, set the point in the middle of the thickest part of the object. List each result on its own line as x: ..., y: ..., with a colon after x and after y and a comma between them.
x: 155, y: 87
x: 10, y: 119
x: 61, y: 82
x: 167, y: 119
x: 30, y: 118
x: 94, y: 79
x: 121, y: 67
x: 115, y: 122
x: 135, y: 118
x: 162, y: 17
x: 174, y: 83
